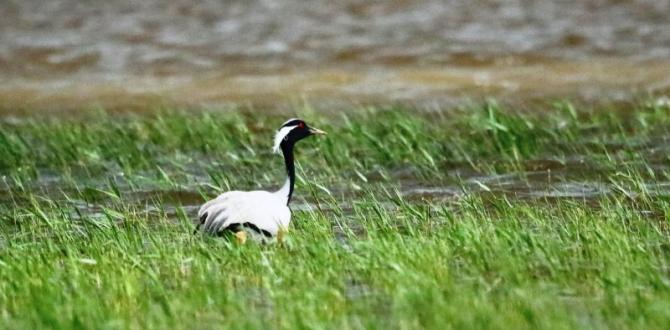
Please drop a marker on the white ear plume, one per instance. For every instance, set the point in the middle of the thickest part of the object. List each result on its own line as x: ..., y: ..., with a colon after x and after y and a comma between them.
x: 281, y: 134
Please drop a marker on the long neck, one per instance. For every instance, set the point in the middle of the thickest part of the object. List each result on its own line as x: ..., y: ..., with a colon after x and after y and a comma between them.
x: 287, y: 150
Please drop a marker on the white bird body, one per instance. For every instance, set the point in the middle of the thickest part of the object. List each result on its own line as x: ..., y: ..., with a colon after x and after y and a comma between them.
x: 262, y: 214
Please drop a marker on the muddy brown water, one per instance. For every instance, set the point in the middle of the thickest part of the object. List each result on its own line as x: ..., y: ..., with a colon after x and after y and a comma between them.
x: 129, y: 54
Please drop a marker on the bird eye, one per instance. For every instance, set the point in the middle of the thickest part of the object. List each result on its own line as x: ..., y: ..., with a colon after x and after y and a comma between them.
x: 301, y: 125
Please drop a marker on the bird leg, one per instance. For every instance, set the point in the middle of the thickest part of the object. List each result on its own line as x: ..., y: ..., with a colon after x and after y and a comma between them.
x: 280, y: 235
x: 241, y: 237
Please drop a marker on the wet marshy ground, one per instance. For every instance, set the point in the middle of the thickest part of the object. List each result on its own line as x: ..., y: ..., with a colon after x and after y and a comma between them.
x: 119, y: 118
x: 491, y: 155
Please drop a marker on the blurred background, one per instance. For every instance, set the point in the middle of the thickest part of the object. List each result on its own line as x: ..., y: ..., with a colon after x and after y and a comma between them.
x: 68, y: 54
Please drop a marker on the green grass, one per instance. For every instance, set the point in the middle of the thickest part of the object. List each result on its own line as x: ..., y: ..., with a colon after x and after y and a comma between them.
x: 96, y: 217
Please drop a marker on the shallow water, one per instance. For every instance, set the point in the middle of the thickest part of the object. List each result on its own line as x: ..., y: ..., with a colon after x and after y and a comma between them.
x: 580, y: 181
x: 67, y: 53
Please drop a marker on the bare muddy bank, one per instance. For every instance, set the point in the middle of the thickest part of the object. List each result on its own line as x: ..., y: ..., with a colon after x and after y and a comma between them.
x: 516, y: 83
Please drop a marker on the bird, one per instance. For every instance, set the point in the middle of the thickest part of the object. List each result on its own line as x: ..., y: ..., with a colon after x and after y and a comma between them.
x: 262, y: 215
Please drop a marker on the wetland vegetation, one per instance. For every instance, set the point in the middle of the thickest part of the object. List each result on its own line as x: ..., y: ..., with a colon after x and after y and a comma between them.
x: 473, y: 217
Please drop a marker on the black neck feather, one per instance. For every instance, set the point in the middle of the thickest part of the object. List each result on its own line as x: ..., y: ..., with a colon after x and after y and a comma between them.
x: 287, y: 150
